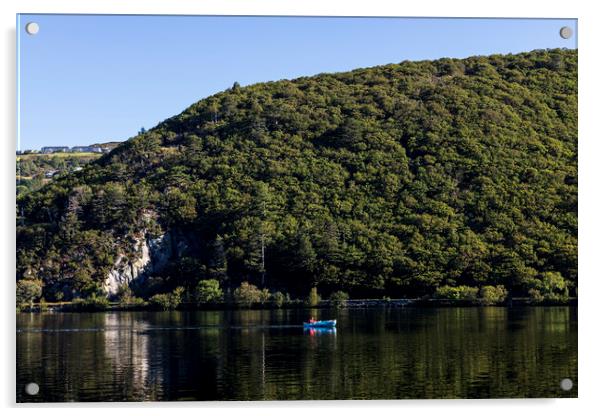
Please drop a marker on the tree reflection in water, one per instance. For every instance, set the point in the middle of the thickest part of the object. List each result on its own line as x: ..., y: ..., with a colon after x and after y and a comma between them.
x: 267, y: 355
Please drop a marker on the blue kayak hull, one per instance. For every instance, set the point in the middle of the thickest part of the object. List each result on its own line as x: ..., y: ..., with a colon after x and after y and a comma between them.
x: 320, y: 324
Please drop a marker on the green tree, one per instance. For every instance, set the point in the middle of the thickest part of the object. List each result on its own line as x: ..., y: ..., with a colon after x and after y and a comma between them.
x: 126, y: 298
x: 492, y: 295
x: 28, y: 291
x: 390, y: 181
x: 313, y: 299
x: 339, y: 299
x: 178, y: 207
x: 457, y: 293
x: 92, y: 303
x: 208, y: 291
x: 550, y: 286
x: 168, y: 301
x: 279, y: 299
x: 247, y: 294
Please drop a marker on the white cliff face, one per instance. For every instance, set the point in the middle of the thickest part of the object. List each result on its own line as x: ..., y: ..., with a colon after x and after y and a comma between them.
x: 152, y: 256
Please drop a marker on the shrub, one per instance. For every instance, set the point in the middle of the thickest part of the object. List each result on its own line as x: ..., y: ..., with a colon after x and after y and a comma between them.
x: 28, y: 290
x: 313, y: 299
x: 279, y: 299
x: 167, y: 301
x: 553, y: 287
x: 536, y: 296
x: 208, y: 291
x: 247, y: 294
x: 161, y: 301
x: 550, y: 286
x: 492, y: 295
x: 123, y: 292
x: 456, y: 293
x: 127, y: 299
x: 90, y: 304
x: 43, y: 305
x: 136, y: 302
x: 177, y: 294
x: 339, y: 298
x: 264, y: 296
x: 132, y: 302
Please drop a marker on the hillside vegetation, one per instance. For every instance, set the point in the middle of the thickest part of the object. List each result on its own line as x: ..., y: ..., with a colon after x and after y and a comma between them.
x: 36, y: 169
x: 388, y: 181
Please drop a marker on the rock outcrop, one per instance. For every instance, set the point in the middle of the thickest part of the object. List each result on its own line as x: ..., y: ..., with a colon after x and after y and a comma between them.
x: 153, y: 254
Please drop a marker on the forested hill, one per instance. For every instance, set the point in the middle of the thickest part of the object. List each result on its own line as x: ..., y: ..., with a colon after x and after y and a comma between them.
x: 385, y: 181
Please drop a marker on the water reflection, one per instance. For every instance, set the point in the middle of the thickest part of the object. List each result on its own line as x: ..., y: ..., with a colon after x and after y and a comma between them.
x: 320, y: 331
x: 267, y: 355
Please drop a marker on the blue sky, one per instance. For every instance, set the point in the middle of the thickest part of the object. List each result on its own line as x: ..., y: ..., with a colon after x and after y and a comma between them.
x: 94, y: 78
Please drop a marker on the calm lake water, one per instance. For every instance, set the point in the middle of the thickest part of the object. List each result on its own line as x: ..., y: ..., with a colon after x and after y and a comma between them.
x: 266, y: 355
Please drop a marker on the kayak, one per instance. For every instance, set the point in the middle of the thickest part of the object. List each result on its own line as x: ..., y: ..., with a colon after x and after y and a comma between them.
x: 320, y: 324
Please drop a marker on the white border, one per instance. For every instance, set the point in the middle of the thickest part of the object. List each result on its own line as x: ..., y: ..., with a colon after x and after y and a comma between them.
x: 589, y: 186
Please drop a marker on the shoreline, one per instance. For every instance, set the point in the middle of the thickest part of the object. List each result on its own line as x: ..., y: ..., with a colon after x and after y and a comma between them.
x: 324, y: 304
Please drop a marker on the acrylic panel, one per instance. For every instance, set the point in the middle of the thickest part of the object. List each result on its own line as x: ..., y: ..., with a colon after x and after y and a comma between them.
x: 295, y: 208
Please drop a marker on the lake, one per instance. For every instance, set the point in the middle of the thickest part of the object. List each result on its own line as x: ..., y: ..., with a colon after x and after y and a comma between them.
x: 378, y: 353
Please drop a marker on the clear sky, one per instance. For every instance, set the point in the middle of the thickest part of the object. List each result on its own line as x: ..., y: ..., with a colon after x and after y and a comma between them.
x: 94, y: 78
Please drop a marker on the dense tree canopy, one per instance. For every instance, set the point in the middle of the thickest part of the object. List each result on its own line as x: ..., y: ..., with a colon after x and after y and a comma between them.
x: 393, y: 180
